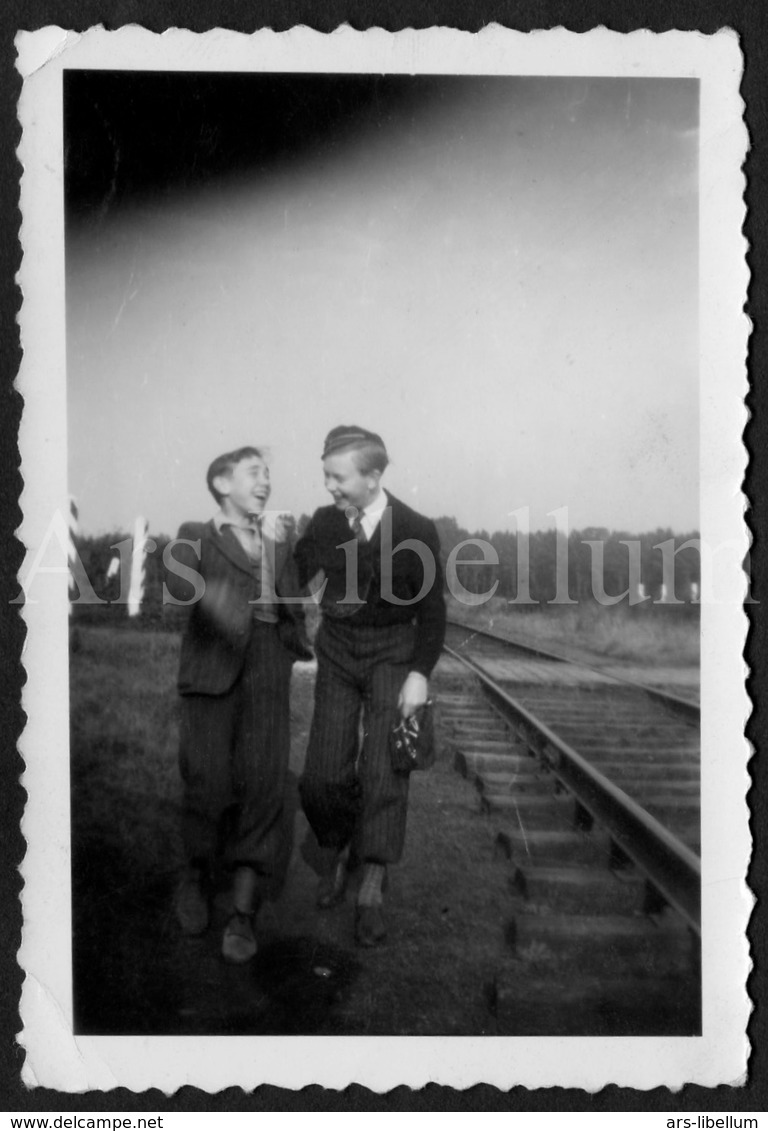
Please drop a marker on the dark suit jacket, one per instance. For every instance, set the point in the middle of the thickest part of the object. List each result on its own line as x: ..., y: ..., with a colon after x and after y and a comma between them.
x: 220, y: 582
x: 390, y: 581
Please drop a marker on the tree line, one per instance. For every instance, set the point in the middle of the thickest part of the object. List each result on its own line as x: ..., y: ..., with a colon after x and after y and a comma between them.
x: 538, y: 569
x: 594, y: 564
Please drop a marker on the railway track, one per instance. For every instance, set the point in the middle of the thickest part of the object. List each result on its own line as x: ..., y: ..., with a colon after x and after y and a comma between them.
x: 592, y: 787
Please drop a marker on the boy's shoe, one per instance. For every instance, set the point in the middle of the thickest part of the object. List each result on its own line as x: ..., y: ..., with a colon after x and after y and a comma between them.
x: 191, y: 905
x: 370, y: 928
x: 333, y: 886
x: 239, y: 942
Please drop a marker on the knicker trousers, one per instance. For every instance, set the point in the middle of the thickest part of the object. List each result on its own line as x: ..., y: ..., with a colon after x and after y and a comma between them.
x: 349, y: 792
x: 233, y: 756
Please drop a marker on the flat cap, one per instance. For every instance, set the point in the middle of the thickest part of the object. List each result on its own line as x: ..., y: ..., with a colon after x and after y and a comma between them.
x: 348, y: 435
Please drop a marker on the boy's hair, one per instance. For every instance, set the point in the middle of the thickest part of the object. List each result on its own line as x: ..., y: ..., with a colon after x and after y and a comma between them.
x: 225, y: 465
x: 370, y: 452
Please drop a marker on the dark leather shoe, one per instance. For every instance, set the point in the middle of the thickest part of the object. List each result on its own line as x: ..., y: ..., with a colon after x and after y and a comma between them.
x: 370, y: 928
x: 191, y: 905
x: 332, y: 888
x: 239, y: 942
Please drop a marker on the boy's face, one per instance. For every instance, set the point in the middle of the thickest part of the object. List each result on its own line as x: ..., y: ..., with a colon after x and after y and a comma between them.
x: 246, y: 489
x: 348, y: 485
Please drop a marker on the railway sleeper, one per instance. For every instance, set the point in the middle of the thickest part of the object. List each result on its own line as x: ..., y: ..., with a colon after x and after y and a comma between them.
x: 495, y: 741
x: 608, y: 764
x: 528, y: 1002
x: 471, y: 763
x: 471, y: 732
x: 607, y: 944
x: 480, y: 714
x: 671, y: 733
x: 523, y: 784
x: 550, y: 847
x: 573, y: 890
x: 558, y: 695
x: 482, y: 732
x: 476, y: 703
x: 471, y: 700
x: 490, y: 746
x: 598, y: 746
x: 477, y: 710
x: 611, y: 714
x: 602, y: 737
x: 585, y: 702
x: 481, y: 706
x: 543, y: 809
x: 502, y: 754
x: 662, y: 803
x: 588, y: 701
x: 672, y: 786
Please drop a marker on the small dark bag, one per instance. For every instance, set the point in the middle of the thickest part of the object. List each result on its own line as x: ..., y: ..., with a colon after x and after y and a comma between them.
x: 412, y: 741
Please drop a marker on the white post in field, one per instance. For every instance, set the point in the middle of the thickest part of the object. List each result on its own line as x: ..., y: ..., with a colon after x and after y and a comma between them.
x: 136, y: 590
x: 74, y: 529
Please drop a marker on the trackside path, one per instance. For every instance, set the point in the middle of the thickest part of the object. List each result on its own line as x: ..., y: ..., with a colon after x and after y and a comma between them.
x: 135, y: 973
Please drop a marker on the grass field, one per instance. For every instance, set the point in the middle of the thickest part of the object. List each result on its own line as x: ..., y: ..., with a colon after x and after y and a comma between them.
x: 652, y: 635
x: 134, y: 973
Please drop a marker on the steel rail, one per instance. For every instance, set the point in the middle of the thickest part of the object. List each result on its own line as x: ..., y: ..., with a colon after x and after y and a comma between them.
x: 683, y: 706
x: 670, y: 867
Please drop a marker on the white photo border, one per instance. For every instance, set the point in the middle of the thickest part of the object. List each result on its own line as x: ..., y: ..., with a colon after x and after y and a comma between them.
x: 54, y: 1056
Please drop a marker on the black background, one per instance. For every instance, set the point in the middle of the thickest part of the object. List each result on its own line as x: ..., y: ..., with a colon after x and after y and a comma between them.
x: 751, y: 22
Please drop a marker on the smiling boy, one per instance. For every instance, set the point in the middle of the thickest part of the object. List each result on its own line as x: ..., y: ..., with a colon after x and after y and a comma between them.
x: 382, y: 630
x: 234, y: 677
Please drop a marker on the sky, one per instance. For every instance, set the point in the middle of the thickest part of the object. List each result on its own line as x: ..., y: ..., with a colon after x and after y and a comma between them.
x: 497, y: 275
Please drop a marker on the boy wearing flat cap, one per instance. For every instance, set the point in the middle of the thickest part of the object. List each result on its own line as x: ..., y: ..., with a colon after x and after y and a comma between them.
x: 382, y: 630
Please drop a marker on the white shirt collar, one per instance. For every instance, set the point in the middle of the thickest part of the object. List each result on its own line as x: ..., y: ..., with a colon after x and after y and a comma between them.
x: 247, y: 523
x: 370, y: 516
x: 376, y: 509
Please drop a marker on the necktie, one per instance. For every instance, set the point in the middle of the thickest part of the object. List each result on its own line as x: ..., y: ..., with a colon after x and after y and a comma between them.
x: 250, y: 537
x: 357, y: 529
x: 254, y: 528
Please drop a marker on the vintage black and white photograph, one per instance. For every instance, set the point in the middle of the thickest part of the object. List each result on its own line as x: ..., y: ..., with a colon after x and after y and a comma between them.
x: 381, y: 427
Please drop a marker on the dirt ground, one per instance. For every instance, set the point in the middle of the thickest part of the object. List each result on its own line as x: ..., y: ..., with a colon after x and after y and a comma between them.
x: 135, y: 972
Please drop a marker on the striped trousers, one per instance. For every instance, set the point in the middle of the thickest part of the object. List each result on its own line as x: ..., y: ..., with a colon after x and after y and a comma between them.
x: 233, y: 756
x: 349, y: 791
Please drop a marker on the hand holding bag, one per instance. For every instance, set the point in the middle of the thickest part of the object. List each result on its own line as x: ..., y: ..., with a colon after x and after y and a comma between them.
x: 412, y: 741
